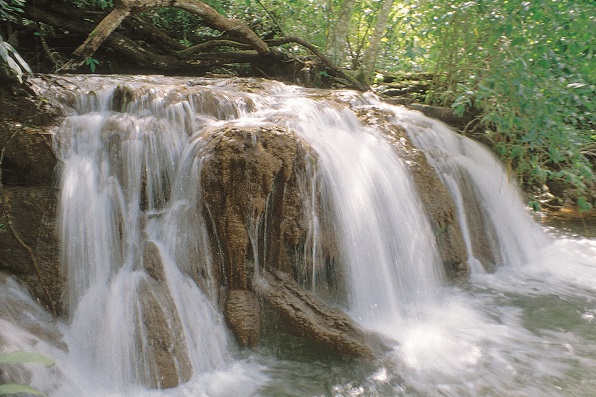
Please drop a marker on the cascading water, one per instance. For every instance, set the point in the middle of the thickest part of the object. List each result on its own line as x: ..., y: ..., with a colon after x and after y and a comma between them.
x: 141, y: 270
x: 374, y: 207
x: 124, y: 260
x: 487, y: 202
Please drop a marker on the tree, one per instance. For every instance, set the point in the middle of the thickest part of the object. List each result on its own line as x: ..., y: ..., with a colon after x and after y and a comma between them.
x: 123, y: 8
x: 128, y: 32
x: 336, y: 49
x: 370, y: 54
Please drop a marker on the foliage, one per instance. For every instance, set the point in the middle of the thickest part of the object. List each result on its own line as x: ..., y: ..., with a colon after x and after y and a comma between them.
x: 529, y: 67
x: 92, y: 63
x: 13, y: 59
x: 21, y: 358
x: 92, y: 4
x: 9, y: 8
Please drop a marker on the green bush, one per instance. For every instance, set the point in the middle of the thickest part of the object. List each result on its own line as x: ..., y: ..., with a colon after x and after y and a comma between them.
x: 528, y: 67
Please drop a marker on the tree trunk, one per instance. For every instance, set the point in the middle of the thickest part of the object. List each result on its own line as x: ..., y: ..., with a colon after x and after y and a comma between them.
x: 370, y: 55
x: 123, y: 8
x: 337, y: 50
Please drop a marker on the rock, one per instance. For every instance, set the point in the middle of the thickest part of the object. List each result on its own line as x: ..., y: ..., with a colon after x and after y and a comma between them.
x: 152, y: 262
x: 167, y: 363
x: 444, y: 114
x: 29, y: 247
x: 242, y: 312
x: 305, y: 315
x: 28, y: 157
x: 481, y: 229
x: 28, y: 199
x: 252, y: 195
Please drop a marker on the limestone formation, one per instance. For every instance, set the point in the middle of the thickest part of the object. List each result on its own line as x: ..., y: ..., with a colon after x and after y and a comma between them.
x: 256, y: 200
x: 170, y: 364
x: 165, y: 354
x: 252, y: 198
x: 28, y: 199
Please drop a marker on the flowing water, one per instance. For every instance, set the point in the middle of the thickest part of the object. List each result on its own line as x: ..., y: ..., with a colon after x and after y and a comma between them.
x: 522, y: 325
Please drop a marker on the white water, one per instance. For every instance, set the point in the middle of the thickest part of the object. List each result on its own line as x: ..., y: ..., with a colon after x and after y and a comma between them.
x: 526, y: 330
x: 104, y: 231
x: 462, y: 164
x: 374, y: 208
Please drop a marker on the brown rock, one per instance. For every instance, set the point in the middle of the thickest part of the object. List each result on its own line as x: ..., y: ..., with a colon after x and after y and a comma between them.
x: 28, y: 242
x: 153, y: 263
x: 305, y: 315
x: 242, y: 312
x: 251, y: 190
x: 28, y: 157
x: 166, y: 363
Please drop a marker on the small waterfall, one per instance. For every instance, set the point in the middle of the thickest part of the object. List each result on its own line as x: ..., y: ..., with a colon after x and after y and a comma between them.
x: 497, y: 227
x: 144, y: 296
x: 386, y: 243
x: 122, y: 206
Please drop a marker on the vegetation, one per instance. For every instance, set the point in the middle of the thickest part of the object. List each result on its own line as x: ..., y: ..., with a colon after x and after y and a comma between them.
x: 21, y: 358
x: 525, y: 69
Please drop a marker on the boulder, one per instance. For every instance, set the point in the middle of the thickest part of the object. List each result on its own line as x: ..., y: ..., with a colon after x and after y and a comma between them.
x: 252, y: 197
x: 28, y: 198
x: 165, y: 357
x: 29, y: 245
x: 243, y: 315
x: 167, y: 364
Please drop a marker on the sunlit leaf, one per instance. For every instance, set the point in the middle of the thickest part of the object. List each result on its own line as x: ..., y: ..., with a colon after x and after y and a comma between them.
x: 21, y: 357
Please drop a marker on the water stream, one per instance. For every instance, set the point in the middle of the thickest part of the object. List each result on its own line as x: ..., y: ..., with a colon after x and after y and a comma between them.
x: 134, y: 246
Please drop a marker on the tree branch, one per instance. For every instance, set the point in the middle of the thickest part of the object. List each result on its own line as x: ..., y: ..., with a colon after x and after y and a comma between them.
x: 321, y: 56
x: 188, y: 52
x: 123, y: 8
x: 96, y: 38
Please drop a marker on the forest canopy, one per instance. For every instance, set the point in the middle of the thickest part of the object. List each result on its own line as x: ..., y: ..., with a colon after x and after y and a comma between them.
x: 523, y: 73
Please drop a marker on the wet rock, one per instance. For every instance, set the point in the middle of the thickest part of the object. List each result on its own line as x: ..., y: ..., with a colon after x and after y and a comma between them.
x: 305, y: 315
x: 28, y: 199
x: 253, y: 199
x: 483, y: 235
x: 242, y: 312
x: 153, y: 263
x: 28, y: 155
x: 29, y: 247
x: 166, y: 362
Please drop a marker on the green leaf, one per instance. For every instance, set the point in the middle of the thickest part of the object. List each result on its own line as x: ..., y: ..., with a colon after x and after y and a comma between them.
x: 583, y: 204
x: 14, y: 388
x: 25, y: 357
x: 535, y: 205
x: 91, y: 62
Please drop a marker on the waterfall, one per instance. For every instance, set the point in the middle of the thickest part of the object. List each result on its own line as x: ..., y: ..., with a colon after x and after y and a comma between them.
x: 386, y: 242
x: 122, y: 207
x: 489, y: 205
x: 145, y: 260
